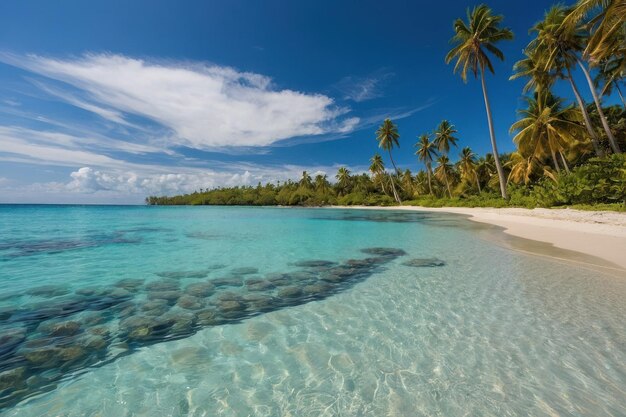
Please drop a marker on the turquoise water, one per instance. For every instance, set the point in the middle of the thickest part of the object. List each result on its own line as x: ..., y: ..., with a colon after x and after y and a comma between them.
x: 204, y: 311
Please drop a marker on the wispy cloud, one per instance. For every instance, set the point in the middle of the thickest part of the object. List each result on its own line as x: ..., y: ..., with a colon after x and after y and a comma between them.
x: 360, y: 89
x: 203, y: 105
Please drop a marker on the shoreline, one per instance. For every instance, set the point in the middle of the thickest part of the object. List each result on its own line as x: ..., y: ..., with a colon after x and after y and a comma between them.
x: 596, y: 235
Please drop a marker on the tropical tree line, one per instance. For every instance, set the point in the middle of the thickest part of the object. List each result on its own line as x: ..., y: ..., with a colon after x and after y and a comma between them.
x: 560, y: 144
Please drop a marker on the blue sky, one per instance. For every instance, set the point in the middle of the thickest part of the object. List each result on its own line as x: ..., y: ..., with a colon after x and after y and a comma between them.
x: 110, y: 101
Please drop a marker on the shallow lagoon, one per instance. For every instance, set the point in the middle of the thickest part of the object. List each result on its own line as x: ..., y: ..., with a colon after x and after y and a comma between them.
x: 230, y: 311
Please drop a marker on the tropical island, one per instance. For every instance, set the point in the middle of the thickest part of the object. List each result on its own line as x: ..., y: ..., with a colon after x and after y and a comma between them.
x: 568, y: 152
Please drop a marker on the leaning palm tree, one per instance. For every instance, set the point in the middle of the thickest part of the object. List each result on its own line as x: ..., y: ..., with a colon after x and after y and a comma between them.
x: 387, y: 136
x: 377, y: 168
x: 562, y: 45
x: 426, y: 153
x: 443, y: 171
x: 473, y: 39
x: 444, y: 136
x: 467, y: 166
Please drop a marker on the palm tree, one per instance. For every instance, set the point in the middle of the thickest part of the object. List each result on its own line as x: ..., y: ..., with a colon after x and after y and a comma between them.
x: 522, y: 168
x: 321, y: 183
x: 561, y: 45
x: 377, y: 168
x: 407, y: 182
x: 533, y: 67
x: 607, y: 22
x: 546, y: 127
x: 444, y: 136
x: 472, y: 42
x: 467, y: 166
x: 426, y: 153
x: 305, y: 181
x: 387, y: 136
x: 343, y: 180
x: 443, y: 171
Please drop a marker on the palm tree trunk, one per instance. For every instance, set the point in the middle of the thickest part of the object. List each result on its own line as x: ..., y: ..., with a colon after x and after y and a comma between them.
x: 392, y: 163
x: 393, y: 187
x: 477, y: 182
x: 619, y: 92
x: 555, y: 161
x: 596, y: 99
x: 492, y: 134
x: 382, y: 184
x: 448, y: 185
x: 564, y: 162
x: 430, y: 187
x: 583, y: 109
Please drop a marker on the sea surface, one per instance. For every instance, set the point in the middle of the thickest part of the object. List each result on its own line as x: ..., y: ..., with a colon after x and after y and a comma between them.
x: 211, y: 311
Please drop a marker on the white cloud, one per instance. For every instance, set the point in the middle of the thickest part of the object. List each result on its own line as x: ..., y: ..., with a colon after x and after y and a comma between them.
x: 205, y: 106
x: 360, y: 89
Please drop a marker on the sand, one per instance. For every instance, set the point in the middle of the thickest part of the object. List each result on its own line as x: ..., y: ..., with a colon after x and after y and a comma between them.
x: 596, y: 234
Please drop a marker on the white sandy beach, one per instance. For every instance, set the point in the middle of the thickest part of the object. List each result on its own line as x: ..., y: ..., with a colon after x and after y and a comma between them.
x: 600, y: 234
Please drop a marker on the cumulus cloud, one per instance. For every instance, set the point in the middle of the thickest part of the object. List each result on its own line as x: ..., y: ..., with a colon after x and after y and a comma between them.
x: 205, y: 106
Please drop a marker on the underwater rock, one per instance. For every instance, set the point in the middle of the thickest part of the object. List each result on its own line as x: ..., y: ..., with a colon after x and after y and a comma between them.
x: 181, y: 323
x: 183, y: 274
x: 130, y: 283
x: 317, y: 289
x: 93, y: 342
x: 71, y: 354
x: 228, y: 296
x: 189, y: 302
x: 227, y: 282
x: 315, y: 263
x: 384, y: 251
x: 153, y: 304
x: 48, y: 291
x: 208, y: 317
x: 10, y: 339
x: 200, y: 289
x: 63, y: 328
x: 142, y: 328
x: 227, y: 306
x: 259, y: 285
x: 103, y: 331
x: 290, y: 292
x: 424, y: 262
x: 163, y: 285
x: 170, y: 296
x: 13, y: 378
x: 246, y: 270
x: 45, y: 357
x: 5, y: 313
x: 264, y: 303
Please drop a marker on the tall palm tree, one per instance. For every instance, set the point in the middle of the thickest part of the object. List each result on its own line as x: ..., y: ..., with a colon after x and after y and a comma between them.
x: 343, y: 180
x: 377, y: 168
x: 533, y: 67
x: 426, y: 153
x: 387, y: 136
x: 305, y: 181
x: 522, y: 168
x: 467, y: 166
x: 562, y: 45
x: 444, y: 136
x: 443, y: 171
x: 605, y: 19
x: 546, y: 127
x: 472, y: 42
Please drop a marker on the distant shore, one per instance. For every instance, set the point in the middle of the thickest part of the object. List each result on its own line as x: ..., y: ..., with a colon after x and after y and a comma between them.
x: 599, y: 234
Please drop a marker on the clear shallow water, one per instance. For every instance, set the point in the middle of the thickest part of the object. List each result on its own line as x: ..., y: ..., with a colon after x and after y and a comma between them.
x: 491, y: 332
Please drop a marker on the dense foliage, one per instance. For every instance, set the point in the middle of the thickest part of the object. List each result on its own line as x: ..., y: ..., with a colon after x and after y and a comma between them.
x: 568, y: 152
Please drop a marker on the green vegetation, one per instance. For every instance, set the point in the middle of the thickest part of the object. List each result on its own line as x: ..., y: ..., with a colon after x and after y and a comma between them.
x: 569, y: 154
